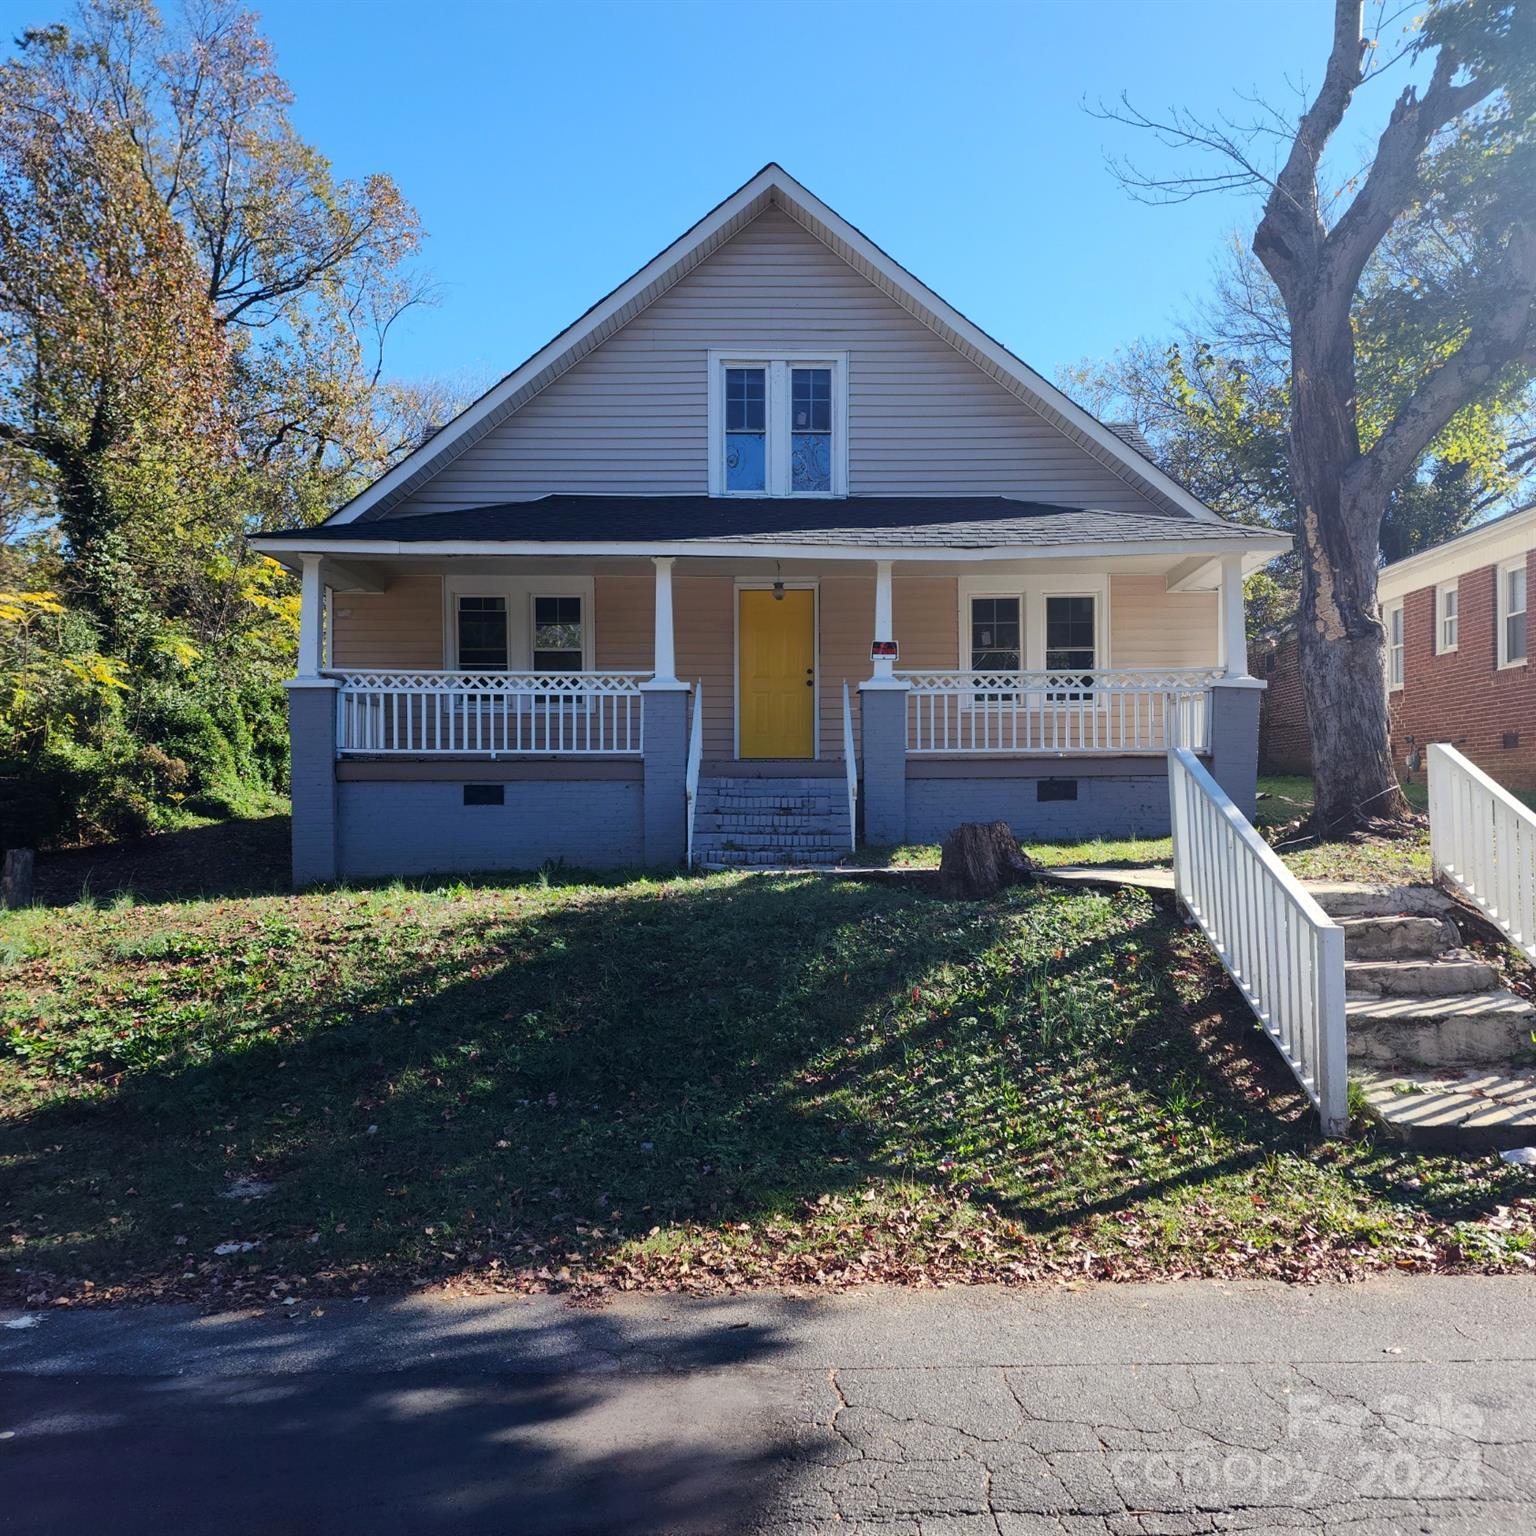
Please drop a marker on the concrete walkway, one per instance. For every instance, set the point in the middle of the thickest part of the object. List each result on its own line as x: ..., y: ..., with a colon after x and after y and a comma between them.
x: 1398, y: 1405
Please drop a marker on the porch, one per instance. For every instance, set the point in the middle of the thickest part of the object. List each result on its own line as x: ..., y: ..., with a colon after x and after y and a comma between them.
x: 465, y: 715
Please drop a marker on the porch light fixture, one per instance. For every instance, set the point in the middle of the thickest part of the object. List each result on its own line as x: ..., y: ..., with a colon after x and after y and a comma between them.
x: 778, y: 583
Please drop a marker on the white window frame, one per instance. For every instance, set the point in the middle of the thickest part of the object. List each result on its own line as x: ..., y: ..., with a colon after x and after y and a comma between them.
x: 1397, y: 648
x: 1443, y: 616
x: 1032, y: 592
x: 777, y: 362
x: 519, y: 592
x: 1505, y: 613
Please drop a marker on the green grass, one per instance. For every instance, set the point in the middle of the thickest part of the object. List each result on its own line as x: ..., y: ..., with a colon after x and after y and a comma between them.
x: 1283, y: 800
x: 634, y: 1082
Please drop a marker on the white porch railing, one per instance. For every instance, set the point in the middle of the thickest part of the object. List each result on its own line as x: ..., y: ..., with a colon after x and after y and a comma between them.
x: 695, y: 758
x: 1283, y: 951
x: 1483, y: 841
x: 851, y: 768
x: 496, y: 713
x: 1110, y: 712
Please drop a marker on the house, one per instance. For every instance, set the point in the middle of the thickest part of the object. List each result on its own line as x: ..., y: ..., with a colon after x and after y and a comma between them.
x: 1285, y: 738
x: 769, y: 551
x: 1457, y: 658
x: 1458, y: 648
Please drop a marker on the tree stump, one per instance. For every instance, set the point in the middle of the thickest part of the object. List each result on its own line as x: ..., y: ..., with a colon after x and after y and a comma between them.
x: 16, y: 878
x: 979, y: 861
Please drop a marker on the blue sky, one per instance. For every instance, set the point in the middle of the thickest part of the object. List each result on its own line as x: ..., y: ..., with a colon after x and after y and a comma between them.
x: 552, y: 148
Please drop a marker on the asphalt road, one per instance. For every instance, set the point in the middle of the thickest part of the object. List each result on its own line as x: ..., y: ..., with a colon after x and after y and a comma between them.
x: 1395, y: 1406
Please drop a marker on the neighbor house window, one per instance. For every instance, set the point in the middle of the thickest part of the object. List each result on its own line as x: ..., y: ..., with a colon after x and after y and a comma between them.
x: 482, y: 634
x: 557, y: 634
x: 1395, y: 646
x: 1512, y: 626
x: 1447, y: 618
x: 777, y: 425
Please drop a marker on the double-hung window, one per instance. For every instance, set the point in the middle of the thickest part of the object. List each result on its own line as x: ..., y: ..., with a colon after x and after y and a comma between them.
x: 1513, y: 634
x: 1447, y: 618
x: 1395, y: 646
x: 777, y: 425
x: 1071, y: 638
x: 481, y: 633
x: 513, y: 626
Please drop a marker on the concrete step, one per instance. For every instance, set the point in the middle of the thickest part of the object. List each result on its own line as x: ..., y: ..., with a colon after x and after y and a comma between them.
x: 1472, y: 1111
x: 768, y: 858
x: 1397, y: 938
x: 1459, y: 1030
x: 758, y: 821
x: 1353, y: 898
x: 772, y: 788
x: 1457, y: 971
x: 785, y: 840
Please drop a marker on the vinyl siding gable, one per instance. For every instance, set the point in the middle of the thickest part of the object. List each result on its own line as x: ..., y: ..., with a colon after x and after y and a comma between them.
x: 632, y: 416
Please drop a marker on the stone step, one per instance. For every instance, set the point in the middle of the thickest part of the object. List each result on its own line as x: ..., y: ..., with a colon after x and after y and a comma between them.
x: 1353, y: 898
x: 785, y: 840
x: 1460, y: 1030
x: 1397, y: 938
x: 1457, y: 971
x: 767, y: 858
x: 1475, y: 1110
x: 746, y: 821
x: 769, y: 788
x: 722, y: 805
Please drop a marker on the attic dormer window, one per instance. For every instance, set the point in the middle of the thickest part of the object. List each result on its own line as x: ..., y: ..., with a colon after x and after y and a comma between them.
x: 778, y: 424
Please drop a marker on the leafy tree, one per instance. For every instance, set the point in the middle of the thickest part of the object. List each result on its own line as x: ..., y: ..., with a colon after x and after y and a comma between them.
x: 1406, y: 306
x: 193, y: 318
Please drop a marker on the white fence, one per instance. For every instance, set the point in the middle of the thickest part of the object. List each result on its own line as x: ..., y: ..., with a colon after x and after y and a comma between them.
x: 1483, y: 841
x: 1283, y: 951
x: 496, y: 713
x: 1120, y: 712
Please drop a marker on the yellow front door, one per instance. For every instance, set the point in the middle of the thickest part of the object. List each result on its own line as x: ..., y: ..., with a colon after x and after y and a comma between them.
x: 775, y: 684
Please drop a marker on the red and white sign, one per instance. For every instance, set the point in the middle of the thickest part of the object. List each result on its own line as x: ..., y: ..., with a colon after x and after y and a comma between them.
x: 883, y: 650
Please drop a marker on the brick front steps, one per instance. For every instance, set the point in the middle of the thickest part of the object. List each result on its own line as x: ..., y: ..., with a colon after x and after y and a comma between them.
x: 742, y: 823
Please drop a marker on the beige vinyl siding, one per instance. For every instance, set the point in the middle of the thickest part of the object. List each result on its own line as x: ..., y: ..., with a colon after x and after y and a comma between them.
x: 633, y: 415
x: 624, y: 623
x: 704, y: 638
x: 401, y: 626
x: 925, y: 616
x: 1149, y: 626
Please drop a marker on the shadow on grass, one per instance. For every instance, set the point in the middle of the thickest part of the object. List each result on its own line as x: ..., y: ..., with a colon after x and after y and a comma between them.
x: 570, y: 1074
x: 223, y: 859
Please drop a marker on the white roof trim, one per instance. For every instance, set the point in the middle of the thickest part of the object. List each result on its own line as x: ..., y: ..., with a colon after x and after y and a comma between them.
x: 1260, y: 546
x: 772, y: 185
x: 1500, y: 538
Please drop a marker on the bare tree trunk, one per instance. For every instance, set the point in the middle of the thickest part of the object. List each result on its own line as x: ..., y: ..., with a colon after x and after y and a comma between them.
x: 1340, y: 637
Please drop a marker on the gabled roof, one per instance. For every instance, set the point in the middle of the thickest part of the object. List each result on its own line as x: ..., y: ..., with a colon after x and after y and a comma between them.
x: 773, y: 186
x: 1500, y: 538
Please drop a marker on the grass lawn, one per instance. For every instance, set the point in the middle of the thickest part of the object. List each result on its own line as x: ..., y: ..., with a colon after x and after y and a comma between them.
x: 1283, y: 800
x: 685, y: 1082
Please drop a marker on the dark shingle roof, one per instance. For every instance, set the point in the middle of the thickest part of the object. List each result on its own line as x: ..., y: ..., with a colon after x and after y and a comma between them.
x: 900, y: 522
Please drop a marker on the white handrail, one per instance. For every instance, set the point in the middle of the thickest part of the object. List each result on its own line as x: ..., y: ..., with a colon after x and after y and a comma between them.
x: 695, y: 757
x: 1117, y: 711
x: 1284, y: 952
x: 1483, y: 841
x: 851, y: 768
x: 387, y: 712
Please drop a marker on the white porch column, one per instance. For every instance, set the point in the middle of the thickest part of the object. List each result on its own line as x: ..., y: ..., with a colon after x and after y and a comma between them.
x: 665, y: 648
x: 1234, y: 633
x: 884, y: 666
x: 311, y: 617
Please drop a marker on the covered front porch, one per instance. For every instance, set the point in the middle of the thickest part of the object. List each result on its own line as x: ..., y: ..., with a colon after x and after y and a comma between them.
x: 481, y: 712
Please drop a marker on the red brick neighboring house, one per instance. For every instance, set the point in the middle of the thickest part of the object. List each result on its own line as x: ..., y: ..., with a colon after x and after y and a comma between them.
x: 1459, y: 644
x: 1458, y: 659
x: 1285, y: 743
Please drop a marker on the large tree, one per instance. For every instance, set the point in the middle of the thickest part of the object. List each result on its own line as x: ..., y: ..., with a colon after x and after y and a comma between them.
x: 1435, y: 241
